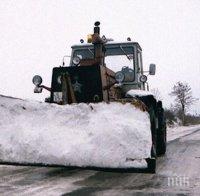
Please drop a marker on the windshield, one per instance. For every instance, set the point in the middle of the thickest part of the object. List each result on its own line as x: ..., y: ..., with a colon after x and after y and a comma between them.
x: 84, y: 53
x: 115, y: 63
x: 116, y: 56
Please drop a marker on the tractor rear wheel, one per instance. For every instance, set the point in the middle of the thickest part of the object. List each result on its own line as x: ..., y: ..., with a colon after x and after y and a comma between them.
x: 161, y: 142
x: 161, y: 132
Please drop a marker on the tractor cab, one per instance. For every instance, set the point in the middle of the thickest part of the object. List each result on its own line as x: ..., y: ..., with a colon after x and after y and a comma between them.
x: 100, y: 70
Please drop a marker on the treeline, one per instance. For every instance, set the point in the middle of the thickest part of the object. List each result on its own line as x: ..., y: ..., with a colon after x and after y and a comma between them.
x: 175, y: 118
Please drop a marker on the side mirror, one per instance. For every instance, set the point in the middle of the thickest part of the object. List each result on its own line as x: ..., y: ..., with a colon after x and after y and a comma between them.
x: 152, y: 69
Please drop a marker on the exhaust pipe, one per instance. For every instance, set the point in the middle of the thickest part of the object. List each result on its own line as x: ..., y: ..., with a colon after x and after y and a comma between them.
x: 98, y: 44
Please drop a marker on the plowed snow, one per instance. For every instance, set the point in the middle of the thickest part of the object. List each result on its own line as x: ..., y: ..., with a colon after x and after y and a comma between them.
x: 101, y: 135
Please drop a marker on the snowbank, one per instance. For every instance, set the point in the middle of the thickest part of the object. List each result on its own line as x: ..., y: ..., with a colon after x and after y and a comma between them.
x: 180, y: 131
x: 101, y: 135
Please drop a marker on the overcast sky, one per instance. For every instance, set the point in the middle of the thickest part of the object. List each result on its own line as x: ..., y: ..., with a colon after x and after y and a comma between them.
x: 36, y: 34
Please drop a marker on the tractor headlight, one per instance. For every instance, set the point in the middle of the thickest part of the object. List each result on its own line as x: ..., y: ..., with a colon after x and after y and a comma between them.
x: 119, y: 77
x: 143, y: 78
x: 37, y: 80
x: 76, y: 60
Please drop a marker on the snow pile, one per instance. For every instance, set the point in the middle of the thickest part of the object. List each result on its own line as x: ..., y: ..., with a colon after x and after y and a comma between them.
x: 101, y: 135
x: 139, y: 93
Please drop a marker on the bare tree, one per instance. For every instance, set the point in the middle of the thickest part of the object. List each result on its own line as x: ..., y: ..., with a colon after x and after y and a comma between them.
x: 183, y: 98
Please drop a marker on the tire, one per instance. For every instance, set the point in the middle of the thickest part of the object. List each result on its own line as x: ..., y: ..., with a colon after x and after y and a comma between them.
x: 150, y: 102
x: 151, y: 162
x: 161, y: 147
x: 161, y: 133
x: 153, y: 132
x: 153, y: 151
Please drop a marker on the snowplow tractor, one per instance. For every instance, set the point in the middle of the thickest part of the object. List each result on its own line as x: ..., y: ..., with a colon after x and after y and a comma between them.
x: 110, y: 75
x: 93, y: 76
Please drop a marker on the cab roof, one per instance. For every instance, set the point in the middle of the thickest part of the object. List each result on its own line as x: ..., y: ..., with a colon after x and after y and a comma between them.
x: 108, y: 45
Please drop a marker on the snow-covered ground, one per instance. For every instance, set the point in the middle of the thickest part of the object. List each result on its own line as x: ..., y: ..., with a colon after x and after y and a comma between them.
x: 101, y: 135
x: 179, y: 131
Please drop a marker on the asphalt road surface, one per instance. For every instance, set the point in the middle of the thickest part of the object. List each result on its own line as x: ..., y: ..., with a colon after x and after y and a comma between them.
x: 178, y: 173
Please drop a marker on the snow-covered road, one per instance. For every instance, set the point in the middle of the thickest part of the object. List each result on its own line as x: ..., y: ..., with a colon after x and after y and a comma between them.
x: 178, y: 172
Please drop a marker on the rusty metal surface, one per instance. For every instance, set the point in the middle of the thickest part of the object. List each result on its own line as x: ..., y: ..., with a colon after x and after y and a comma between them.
x: 135, y: 102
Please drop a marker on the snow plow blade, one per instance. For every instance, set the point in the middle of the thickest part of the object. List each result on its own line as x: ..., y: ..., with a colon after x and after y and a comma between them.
x: 151, y: 165
x: 89, y: 136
